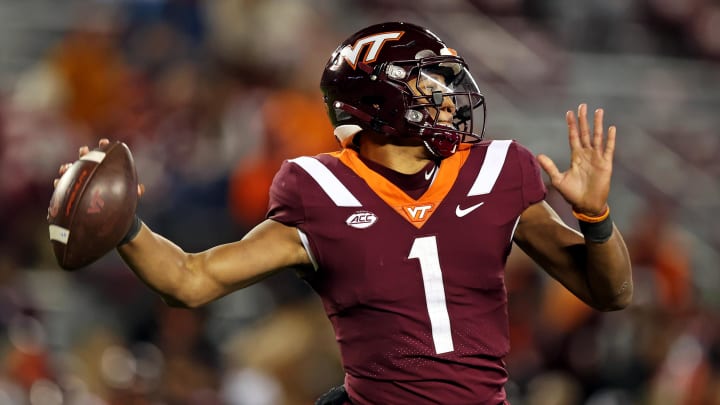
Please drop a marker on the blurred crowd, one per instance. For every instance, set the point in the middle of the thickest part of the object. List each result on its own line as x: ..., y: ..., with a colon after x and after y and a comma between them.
x: 211, y: 97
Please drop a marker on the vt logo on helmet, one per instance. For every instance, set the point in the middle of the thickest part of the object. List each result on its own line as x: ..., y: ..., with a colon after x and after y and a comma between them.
x: 374, y: 44
x: 400, y: 80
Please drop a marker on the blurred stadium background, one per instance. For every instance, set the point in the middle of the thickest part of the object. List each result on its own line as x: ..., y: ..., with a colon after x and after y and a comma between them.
x: 211, y: 96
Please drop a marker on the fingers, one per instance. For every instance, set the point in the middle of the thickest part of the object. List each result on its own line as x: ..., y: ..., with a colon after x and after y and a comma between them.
x: 141, y: 189
x: 573, y: 136
x: 61, y: 171
x: 583, y: 124
x: 610, y: 143
x: 579, y: 131
x: 598, y: 129
x: 83, y: 151
x: 64, y: 168
x: 550, y: 168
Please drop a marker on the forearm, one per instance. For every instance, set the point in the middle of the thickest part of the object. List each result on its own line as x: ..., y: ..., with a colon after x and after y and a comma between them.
x: 609, y: 272
x: 191, y: 280
x: 599, y: 273
x: 162, y: 265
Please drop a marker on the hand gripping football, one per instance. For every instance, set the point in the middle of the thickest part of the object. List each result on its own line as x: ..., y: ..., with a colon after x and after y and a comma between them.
x: 93, y: 205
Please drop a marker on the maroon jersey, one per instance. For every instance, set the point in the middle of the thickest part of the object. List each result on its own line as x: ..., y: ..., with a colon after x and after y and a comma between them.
x: 414, y: 288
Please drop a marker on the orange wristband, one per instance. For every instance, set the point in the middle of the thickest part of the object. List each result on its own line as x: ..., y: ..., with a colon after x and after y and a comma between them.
x: 592, y: 220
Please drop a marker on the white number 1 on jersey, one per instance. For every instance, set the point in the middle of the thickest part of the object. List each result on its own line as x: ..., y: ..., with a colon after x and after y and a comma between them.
x: 425, y: 250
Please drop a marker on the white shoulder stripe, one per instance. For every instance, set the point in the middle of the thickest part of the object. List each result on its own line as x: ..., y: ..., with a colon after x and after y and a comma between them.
x: 490, y: 170
x: 331, y: 185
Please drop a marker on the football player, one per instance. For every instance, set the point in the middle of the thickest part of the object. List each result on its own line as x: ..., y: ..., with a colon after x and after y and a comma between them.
x: 405, y: 231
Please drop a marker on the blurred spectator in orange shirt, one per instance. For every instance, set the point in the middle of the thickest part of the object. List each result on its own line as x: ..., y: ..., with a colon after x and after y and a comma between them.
x: 303, y: 129
x: 94, y: 75
x: 661, y: 259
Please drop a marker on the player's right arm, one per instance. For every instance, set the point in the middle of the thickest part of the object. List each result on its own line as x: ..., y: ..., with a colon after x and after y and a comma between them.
x: 194, y: 279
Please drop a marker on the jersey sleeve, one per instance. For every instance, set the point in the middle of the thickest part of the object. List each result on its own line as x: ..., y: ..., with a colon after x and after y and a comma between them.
x: 285, y: 203
x: 533, y: 187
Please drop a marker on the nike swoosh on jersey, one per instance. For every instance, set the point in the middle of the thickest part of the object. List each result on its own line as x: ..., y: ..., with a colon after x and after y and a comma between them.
x: 429, y: 174
x: 461, y: 212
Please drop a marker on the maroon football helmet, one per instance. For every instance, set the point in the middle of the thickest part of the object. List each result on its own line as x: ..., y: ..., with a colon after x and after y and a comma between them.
x: 395, y: 79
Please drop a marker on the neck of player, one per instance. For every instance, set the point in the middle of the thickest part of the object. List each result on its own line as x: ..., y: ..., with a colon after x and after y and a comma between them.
x: 403, y: 158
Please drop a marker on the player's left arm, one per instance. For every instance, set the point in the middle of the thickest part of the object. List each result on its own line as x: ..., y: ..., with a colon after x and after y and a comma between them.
x: 597, y: 273
x: 594, y: 265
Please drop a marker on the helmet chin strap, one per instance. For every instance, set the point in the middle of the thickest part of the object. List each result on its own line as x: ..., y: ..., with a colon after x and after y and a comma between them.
x: 432, y: 150
x: 439, y: 152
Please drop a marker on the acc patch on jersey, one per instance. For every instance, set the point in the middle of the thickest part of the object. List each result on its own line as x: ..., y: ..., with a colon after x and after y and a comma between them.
x: 361, y: 219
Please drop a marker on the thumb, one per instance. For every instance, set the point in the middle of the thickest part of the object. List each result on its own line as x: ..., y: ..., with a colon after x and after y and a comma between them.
x: 549, y: 166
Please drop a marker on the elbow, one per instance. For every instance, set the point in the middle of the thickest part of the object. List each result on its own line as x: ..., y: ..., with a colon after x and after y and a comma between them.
x: 619, y: 301
x: 616, y: 304
x: 180, y: 301
x: 175, y: 302
x: 190, y: 291
x: 186, y: 297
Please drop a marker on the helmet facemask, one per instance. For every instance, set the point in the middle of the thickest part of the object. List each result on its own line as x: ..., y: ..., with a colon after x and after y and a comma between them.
x: 441, y: 97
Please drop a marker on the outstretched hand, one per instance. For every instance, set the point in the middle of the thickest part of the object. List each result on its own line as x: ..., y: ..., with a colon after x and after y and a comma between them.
x: 586, y: 183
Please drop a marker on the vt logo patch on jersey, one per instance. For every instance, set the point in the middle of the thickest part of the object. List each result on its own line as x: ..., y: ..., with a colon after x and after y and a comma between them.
x: 374, y: 44
x: 418, y: 213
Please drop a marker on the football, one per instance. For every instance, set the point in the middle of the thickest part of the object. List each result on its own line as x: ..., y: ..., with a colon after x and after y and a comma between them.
x: 93, y: 205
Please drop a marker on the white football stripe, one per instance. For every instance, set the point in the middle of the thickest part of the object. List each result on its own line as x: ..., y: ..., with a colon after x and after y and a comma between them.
x: 490, y: 170
x: 59, y: 234
x: 94, y: 156
x: 331, y: 185
x: 512, y: 234
x: 306, y: 244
